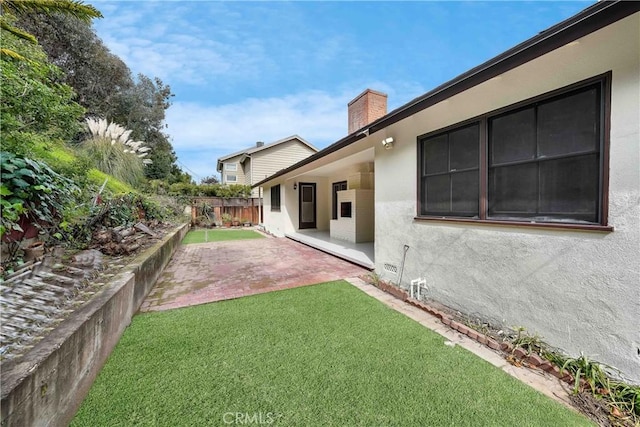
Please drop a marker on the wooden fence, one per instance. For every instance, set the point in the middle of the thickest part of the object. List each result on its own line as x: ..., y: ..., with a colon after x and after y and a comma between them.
x: 244, y: 209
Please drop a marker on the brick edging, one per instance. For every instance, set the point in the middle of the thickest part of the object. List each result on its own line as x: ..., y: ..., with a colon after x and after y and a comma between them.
x: 533, y: 361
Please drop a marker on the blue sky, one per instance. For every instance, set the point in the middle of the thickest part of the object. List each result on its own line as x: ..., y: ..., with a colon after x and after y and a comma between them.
x: 244, y: 72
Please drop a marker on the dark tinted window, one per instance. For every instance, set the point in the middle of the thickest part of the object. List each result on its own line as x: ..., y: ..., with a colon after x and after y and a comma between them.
x: 513, y: 137
x: 275, y: 198
x: 450, y: 174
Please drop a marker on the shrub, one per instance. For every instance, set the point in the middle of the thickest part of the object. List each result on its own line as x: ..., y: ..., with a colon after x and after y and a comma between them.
x: 112, y: 152
x: 32, y: 189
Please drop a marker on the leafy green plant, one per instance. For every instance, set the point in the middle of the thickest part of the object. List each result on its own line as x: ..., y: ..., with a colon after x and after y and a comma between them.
x: 33, y: 190
x: 590, y: 371
x: 210, y: 190
x: 36, y: 108
x: 530, y: 343
x: 11, y: 9
x: 626, y: 397
x: 183, y: 188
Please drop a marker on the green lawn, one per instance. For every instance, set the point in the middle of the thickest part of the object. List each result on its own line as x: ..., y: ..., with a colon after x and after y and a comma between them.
x: 324, y: 355
x: 203, y: 236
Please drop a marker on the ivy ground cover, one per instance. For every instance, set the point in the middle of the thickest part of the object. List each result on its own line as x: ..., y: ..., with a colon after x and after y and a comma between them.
x: 323, y: 355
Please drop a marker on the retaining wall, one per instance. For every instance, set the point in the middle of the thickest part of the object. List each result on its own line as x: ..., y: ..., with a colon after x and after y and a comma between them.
x: 46, y: 386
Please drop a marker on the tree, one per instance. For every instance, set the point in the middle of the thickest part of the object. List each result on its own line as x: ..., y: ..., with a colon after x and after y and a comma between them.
x: 15, y: 9
x: 208, y: 180
x: 163, y: 159
x: 106, y: 88
x: 99, y: 77
x: 35, y: 108
x: 143, y: 112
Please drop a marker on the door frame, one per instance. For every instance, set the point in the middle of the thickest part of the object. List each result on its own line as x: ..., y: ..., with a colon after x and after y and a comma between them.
x: 306, y: 225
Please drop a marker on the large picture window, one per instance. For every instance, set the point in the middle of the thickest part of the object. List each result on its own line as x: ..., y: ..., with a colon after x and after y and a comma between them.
x: 544, y: 160
x: 538, y: 161
x: 275, y: 198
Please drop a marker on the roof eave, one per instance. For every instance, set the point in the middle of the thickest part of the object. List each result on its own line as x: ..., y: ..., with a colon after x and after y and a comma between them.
x: 589, y: 20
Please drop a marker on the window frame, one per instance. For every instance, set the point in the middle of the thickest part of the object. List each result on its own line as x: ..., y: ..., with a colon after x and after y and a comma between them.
x: 604, y: 82
x: 226, y: 178
x: 276, y: 207
x: 228, y: 167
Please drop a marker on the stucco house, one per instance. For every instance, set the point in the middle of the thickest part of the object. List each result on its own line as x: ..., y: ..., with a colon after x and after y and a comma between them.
x: 513, y: 189
x: 251, y: 165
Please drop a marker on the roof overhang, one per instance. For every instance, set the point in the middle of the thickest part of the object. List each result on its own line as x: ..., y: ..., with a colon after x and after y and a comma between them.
x: 589, y: 20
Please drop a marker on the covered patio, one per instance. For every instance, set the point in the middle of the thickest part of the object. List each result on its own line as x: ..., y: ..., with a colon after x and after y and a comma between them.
x: 358, y: 253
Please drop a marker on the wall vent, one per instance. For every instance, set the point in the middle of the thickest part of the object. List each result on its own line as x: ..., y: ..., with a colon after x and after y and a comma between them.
x: 390, y: 268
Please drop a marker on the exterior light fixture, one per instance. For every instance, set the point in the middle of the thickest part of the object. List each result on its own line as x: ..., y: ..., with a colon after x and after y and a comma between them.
x: 388, y: 143
x: 295, y: 185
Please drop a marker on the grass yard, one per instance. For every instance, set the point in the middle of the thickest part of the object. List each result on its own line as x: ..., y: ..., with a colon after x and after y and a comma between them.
x: 204, y: 236
x: 323, y: 355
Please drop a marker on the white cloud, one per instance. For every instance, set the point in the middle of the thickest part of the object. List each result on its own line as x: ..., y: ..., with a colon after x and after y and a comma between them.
x: 160, y: 39
x: 202, y: 133
x: 316, y: 116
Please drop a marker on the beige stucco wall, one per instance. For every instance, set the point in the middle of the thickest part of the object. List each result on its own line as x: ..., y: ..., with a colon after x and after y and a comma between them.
x: 360, y: 226
x: 277, y: 223
x: 579, y: 290
x: 287, y: 220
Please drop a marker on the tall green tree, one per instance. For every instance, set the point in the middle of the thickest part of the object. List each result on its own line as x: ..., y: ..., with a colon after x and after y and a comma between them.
x: 16, y: 9
x: 100, y: 78
x: 106, y: 88
x: 36, y: 108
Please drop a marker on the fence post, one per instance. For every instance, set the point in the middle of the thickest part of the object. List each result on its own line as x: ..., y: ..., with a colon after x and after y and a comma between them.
x: 253, y: 217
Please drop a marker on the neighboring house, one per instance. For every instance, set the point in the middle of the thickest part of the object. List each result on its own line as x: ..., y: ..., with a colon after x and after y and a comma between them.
x: 249, y: 166
x: 513, y: 189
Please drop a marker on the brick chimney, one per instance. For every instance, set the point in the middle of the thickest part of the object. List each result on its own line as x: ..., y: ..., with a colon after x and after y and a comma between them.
x: 366, y: 108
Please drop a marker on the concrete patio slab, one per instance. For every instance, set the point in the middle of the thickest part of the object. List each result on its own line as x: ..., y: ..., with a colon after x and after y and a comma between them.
x: 215, y: 271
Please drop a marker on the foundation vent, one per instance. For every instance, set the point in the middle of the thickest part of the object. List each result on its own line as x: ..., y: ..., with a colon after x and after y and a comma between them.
x: 390, y: 268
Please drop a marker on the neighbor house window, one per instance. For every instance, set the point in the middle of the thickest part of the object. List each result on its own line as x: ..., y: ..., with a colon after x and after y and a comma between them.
x: 231, y: 178
x: 275, y: 198
x: 232, y: 167
x: 538, y: 161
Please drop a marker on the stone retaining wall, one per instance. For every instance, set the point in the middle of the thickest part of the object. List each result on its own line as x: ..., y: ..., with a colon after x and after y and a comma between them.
x: 46, y: 386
